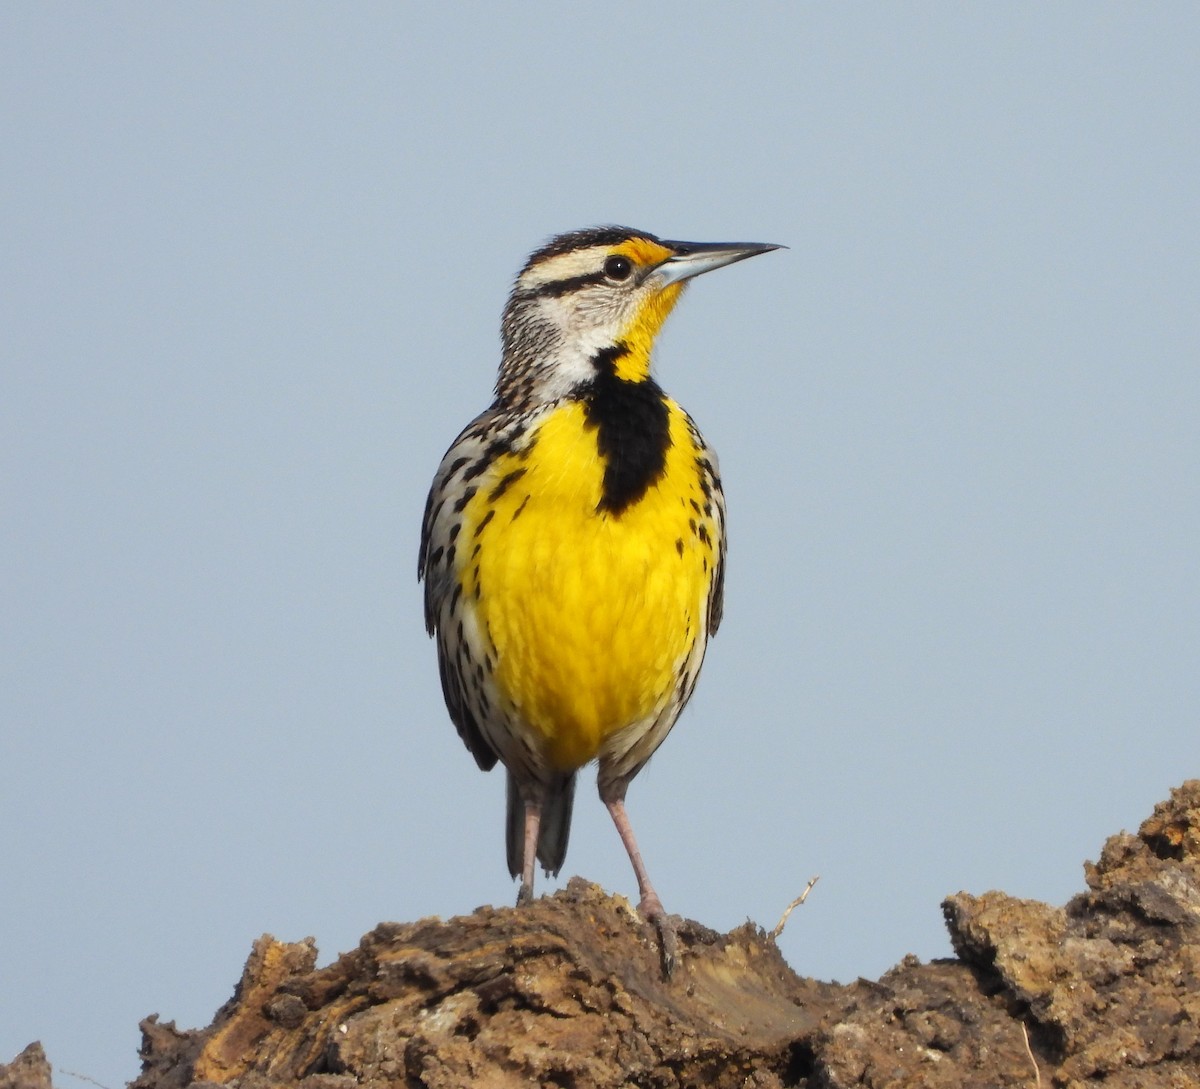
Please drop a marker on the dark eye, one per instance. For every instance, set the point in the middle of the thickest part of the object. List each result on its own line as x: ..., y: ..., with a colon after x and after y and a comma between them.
x: 618, y: 268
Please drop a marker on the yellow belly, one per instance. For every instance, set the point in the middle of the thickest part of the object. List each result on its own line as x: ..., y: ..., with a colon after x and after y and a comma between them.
x: 589, y: 615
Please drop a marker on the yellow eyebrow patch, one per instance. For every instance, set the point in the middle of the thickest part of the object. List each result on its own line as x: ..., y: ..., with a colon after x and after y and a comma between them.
x: 643, y: 252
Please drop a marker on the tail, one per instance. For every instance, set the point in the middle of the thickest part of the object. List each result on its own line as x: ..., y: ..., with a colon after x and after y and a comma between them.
x: 555, y: 828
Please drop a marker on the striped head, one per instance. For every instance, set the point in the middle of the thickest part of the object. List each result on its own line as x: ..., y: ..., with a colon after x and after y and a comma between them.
x: 591, y: 295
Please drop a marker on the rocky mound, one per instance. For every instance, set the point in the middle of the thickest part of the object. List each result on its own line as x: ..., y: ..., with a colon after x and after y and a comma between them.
x: 570, y: 992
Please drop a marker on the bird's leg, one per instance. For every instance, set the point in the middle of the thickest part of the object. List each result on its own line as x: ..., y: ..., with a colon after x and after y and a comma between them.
x: 533, y: 820
x: 649, y: 906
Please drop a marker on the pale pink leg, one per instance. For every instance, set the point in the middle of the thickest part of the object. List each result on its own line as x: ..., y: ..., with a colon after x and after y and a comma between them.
x: 533, y: 820
x: 650, y: 906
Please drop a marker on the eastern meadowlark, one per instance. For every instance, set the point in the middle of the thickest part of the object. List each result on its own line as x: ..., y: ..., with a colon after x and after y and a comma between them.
x: 573, y: 546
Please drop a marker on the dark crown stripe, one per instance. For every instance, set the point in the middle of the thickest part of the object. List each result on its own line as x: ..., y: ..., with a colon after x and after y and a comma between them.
x: 579, y: 240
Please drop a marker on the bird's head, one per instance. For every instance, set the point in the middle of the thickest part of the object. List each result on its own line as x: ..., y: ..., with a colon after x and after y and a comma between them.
x: 586, y: 293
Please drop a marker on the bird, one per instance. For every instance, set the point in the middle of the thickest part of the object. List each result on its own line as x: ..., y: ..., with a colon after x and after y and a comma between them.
x: 573, y: 542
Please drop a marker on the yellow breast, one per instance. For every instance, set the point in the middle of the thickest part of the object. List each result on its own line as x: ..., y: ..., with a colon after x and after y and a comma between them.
x: 588, y: 614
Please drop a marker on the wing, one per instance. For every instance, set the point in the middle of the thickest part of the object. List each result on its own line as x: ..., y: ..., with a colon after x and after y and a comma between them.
x: 714, y: 510
x: 457, y: 479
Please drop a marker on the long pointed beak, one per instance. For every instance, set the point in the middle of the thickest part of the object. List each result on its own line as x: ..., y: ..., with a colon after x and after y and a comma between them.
x: 693, y: 258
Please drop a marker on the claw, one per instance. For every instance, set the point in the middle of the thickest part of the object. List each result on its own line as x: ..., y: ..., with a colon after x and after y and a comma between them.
x: 668, y: 942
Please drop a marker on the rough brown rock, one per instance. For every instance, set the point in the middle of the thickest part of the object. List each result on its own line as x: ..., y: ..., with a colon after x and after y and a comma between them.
x: 569, y: 992
x: 29, y: 1070
x: 1113, y: 979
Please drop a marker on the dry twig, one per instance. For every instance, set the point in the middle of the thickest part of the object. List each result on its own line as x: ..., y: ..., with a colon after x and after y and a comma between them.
x: 793, y: 905
x: 1037, y: 1074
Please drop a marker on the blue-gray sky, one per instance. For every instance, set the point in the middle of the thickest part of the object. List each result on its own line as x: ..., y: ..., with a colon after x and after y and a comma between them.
x: 253, y: 259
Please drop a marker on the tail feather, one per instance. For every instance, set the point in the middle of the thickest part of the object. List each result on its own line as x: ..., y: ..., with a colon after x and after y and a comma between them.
x: 555, y: 829
x: 556, y: 825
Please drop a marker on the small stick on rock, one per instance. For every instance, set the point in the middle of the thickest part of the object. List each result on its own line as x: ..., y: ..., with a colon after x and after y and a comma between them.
x: 793, y: 905
x: 1037, y: 1074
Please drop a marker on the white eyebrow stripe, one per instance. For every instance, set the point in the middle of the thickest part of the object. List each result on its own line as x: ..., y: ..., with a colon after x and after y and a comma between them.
x: 565, y: 266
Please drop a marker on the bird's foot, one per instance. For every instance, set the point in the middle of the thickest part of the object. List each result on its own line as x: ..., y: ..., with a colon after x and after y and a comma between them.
x: 524, y: 894
x: 650, y: 908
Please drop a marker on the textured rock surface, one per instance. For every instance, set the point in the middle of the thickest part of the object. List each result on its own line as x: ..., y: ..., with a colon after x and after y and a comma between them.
x: 29, y: 1070
x: 1113, y: 979
x: 569, y: 992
